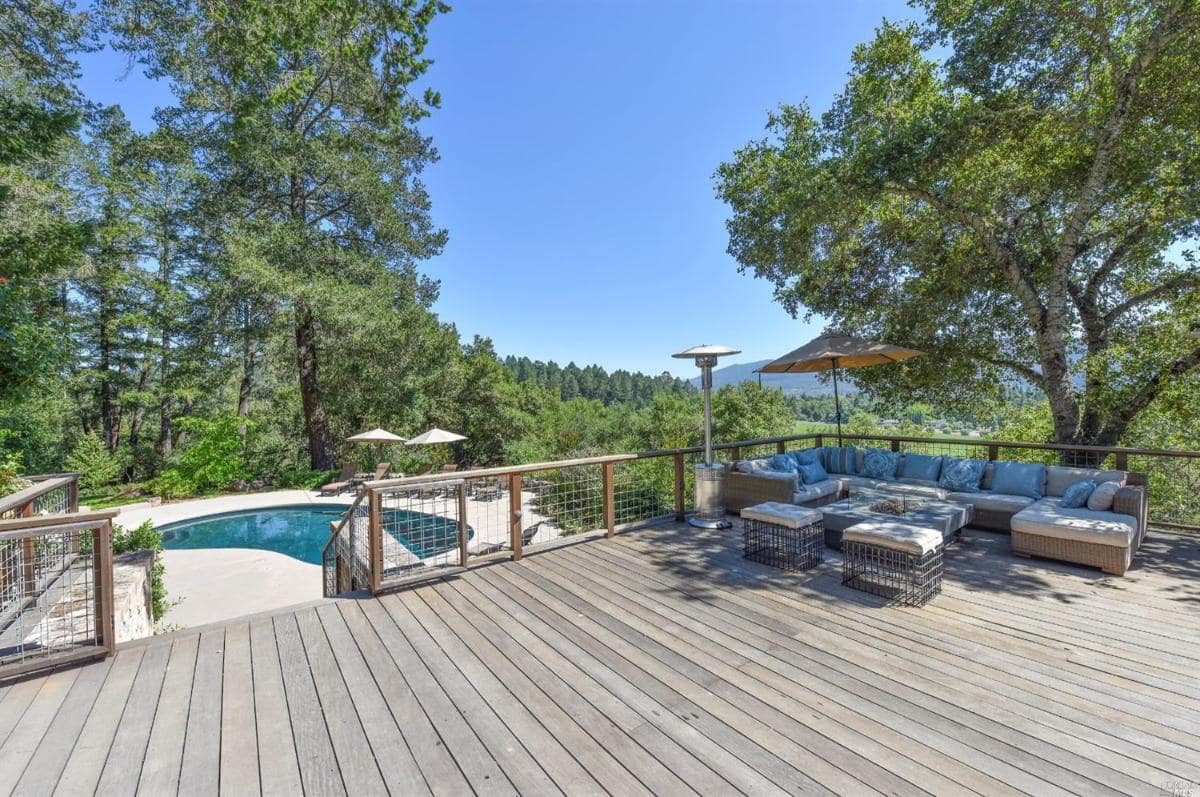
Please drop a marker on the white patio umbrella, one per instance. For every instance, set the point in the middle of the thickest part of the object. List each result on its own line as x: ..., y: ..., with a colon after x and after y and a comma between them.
x: 378, y: 437
x: 434, y: 437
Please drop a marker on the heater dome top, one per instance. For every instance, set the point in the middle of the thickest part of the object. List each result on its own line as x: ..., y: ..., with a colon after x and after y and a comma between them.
x: 706, y: 350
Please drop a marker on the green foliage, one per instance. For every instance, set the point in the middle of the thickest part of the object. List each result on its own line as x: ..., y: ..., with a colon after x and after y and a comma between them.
x: 97, y: 467
x: 211, y: 461
x: 146, y: 538
x: 305, y: 478
x: 748, y: 411
x: 1018, y: 210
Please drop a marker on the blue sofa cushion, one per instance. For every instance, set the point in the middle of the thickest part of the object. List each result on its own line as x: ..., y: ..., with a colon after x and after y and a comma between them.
x: 1076, y: 496
x: 841, y: 460
x: 812, y: 472
x: 1019, y: 478
x: 880, y: 464
x: 782, y: 462
x: 961, y: 475
x: 921, y: 466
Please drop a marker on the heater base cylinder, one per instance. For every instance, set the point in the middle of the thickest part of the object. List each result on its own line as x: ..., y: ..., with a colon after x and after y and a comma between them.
x: 710, y: 498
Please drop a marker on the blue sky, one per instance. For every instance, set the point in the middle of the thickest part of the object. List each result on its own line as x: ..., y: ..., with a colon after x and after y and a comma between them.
x: 578, y: 142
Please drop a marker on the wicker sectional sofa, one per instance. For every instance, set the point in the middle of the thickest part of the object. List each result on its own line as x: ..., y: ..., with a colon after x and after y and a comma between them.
x: 1039, y: 527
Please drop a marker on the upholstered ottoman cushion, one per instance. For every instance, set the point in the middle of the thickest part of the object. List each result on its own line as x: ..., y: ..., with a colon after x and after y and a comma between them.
x: 786, y: 515
x: 896, y: 536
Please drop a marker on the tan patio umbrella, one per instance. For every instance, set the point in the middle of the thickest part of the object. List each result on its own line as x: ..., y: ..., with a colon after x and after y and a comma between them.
x: 831, y: 352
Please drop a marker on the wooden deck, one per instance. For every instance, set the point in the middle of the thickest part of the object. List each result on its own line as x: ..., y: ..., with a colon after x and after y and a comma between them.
x: 661, y: 662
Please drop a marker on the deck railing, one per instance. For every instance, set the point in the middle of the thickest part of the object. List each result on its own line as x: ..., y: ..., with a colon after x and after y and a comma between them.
x: 56, y: 590
x: 50, y: 493
x: 403, y: 530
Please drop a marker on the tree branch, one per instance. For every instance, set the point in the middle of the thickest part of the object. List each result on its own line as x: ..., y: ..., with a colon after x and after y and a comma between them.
x: 1029, y: 374
x: 1163, y: 34
x: 1129, y: 408
x: 1147, y: 297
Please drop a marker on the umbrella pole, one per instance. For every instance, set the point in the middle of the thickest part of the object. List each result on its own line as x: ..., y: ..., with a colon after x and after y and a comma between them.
x: 837, y: 404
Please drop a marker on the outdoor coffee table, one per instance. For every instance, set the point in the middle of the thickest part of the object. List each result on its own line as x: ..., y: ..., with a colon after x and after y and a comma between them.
x: 876, y: 505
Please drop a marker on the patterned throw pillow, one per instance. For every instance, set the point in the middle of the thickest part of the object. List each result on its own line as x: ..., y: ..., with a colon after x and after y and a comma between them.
x: 880, y: 464
x: 812, y: 472
x: 1101, y: 499
x: 842, y: 460
x: 1077, y: 495
x: 961, y: 475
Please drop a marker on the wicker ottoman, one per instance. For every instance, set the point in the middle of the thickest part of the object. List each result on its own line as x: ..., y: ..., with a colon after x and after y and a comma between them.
x: 783, y: 535
x: 897, y: 561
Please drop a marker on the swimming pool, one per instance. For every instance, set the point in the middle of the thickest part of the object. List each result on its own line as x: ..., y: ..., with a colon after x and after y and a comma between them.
x: 301, y: 531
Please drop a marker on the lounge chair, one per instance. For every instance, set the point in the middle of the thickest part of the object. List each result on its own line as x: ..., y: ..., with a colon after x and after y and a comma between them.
x: 344, y: 482
x: 381, y: 470
x: 482, y: 547
x: 449, y: 468
x: 424, y: 469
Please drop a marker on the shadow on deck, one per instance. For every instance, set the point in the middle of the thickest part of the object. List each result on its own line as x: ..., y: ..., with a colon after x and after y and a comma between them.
x: 656, y: 662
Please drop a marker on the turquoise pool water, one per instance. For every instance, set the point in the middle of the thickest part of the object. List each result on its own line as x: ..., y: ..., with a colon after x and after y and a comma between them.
x: 300, y: 531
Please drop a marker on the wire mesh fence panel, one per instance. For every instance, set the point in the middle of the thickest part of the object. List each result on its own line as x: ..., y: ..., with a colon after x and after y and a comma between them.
x: 560, y: 502
x: 488, y: 513
x: 54, y: 502
x: 643, y: 490
x: 420, y: 529
x: 50, y: 602
x: 1172, y: 486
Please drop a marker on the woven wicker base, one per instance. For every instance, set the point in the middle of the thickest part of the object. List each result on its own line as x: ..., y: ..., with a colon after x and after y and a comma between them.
x: 1109, y: 558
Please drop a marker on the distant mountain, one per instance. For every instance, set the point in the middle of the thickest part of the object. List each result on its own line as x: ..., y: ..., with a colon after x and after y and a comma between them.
x: 810, y: 384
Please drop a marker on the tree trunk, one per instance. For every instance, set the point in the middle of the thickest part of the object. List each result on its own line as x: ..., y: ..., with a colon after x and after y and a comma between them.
x: 165, y: 418
x: 137, y: 419
x: 248, y: 368
x: 320, y: 446
x: 110, y: 412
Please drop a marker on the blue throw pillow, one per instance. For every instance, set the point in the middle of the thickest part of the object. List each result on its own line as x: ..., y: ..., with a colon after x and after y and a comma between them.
x: 841, y: 460
x: 880, y: 464
x: 782, y: 462
x: 812, y: 472
x: 921, y: 466
x: 961, y: 475
x: 806, y: 455
x: 1019, y: 478
x: 1077, y: 495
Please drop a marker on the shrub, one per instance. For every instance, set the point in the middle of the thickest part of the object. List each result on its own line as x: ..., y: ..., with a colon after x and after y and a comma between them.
x: 305, y: 478
x: 96, y: 465
x: 144, y: 538
x: 210, y: 462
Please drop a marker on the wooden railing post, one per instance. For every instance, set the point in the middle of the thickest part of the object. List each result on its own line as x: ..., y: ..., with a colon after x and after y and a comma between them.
x: 514, y: 514
x: 679, y: 484
x: 610, y: 508
x: 781, y: 447
x: 28, y: 556
x: 735, y: 453
x: 820, y: 441
x: 375, y: 507
x: 1121, y: 460
x: 462, y: 524
x: 895, y: 444
x: 104, y: 585
x: 993, y: 452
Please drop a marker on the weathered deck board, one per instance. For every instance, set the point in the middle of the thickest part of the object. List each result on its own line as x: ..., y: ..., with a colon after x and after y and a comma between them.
x: 656, y: 662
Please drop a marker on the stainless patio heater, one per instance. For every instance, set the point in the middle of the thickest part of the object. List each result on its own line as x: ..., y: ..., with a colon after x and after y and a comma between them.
x: 710, y: 478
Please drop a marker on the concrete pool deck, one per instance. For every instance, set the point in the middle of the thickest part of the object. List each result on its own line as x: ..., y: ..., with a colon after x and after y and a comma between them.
x: 212, y: 585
